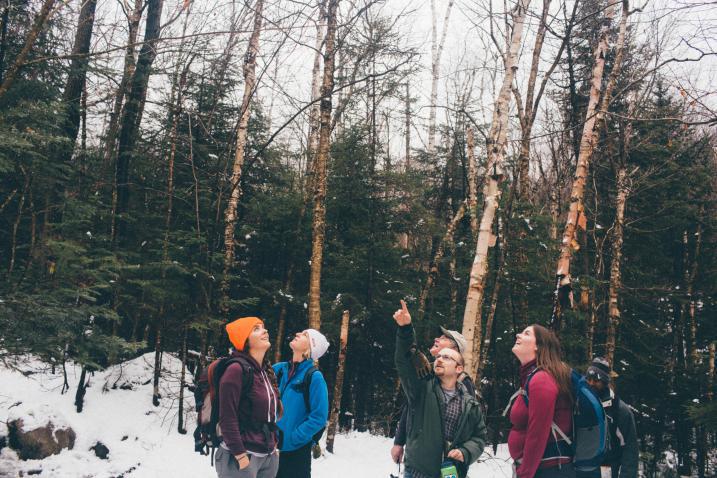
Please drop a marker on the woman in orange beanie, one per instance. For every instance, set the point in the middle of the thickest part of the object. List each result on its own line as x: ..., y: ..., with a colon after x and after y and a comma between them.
x: 249, y: 405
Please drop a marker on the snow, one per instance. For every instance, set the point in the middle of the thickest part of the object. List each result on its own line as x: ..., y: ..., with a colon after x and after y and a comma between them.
x: 143, y: 439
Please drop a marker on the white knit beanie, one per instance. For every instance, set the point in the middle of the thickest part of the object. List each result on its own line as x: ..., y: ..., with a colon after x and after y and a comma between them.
x: 318, y: 343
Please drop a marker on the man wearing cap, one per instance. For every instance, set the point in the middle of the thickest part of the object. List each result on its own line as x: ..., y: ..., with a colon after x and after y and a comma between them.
x: 451, y: 339
x: 448, y: 431
x: 622, y: 456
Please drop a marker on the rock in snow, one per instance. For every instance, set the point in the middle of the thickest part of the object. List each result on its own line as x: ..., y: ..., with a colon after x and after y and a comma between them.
x: 37, y: 442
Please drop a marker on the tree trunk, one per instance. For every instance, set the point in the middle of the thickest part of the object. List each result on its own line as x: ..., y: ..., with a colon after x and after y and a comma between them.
x: 18, y: 218
x: 615, y: 275
x: 157, y: 366
x: 129, y: 130
x: 75, y: 84
x: 433, y: 268
x: 182, y: 383
x: 472, y: 183
x: 491, y: 194
x: 711, y: 371
x: 312, y: 147
x: 407, y: 128
x: 436, y: 53
x: 339, y: 384
x: 3, y: 37
x: 81, y: 390
x: 230, y: 215
x: 693, y: 354
x: 280, y: 333
x: 318, y: 225
x: 452, y: 276
x: 122, y: 90
x: 37, y: 27
x: 588, y: 142
x: 530, y: 108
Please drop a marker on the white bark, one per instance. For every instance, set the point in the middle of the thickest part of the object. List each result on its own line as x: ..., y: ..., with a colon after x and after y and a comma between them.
x: 472, y: 323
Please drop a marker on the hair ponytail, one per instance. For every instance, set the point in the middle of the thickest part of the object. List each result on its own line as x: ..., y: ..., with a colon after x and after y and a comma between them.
x: 269, y: 370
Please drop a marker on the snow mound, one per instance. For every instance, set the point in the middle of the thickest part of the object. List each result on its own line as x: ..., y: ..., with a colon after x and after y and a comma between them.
x: 37, y: 416
x: 138, y: 372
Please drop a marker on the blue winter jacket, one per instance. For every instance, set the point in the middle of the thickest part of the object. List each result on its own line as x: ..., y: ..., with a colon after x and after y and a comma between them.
x: 298, y: 424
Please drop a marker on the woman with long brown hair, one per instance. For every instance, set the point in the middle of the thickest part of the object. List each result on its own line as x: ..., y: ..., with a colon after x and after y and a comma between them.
x: 247, y: 418
x: 542, y: 408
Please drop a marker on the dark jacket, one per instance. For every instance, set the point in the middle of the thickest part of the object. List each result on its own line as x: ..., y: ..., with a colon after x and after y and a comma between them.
x: 425, y: 447
x: 624, y: 455
x: 298, y: 424
x: 404, y: 422
x: 247, y: 419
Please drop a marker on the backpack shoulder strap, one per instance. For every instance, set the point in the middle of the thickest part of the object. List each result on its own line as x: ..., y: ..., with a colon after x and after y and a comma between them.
x: 306, y: 386
x: 521, y: 391
x: 247, y: 373
x: 527, y: 384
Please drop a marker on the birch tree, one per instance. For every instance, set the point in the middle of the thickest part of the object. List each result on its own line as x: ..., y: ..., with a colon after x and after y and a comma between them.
x: 436, y: 53
x: 588, y: 141
x: 318, y: 226
x: 496, y: 148
x: 230, y: 213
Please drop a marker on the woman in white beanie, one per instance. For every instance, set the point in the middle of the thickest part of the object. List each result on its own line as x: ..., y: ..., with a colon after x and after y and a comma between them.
x: 305, y: 398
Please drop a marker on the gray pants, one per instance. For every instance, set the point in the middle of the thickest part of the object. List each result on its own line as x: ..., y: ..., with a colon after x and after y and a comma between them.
x: 259, y: 467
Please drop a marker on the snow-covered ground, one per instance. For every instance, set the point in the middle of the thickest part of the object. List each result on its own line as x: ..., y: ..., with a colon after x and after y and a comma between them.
x: 143, y: 439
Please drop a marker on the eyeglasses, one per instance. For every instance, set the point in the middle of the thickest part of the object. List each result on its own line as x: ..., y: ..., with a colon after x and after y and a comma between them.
x: 447, y: 357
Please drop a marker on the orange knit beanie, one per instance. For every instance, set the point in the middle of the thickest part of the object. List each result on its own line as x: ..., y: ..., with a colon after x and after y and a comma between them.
x: 240, y: 329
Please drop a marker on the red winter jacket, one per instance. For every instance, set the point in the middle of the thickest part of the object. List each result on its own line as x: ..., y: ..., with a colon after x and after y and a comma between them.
x: 531, y: 432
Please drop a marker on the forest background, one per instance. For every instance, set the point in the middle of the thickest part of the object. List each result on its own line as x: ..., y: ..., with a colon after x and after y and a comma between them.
x: 168, y: 166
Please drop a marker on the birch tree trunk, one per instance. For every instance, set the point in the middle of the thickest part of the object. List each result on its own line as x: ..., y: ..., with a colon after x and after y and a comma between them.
x: 531, y: 109
x: 339, y: 384
x: 576, y: 218
x: 230, y: 214
x: 436, y: 53
x: 318, y: 225
x: 308, y: 185
x: 314, y: 113
x: 132, y: 116
x: 38, y: 26
x: 615, y: 275
x: 472, y: 326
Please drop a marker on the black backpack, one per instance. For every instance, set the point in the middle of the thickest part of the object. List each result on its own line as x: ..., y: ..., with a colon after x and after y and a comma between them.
x: 305, y: 388
x: 206, y: 396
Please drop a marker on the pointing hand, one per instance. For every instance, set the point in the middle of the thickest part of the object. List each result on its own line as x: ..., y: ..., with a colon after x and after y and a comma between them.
x: 402, y: 316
